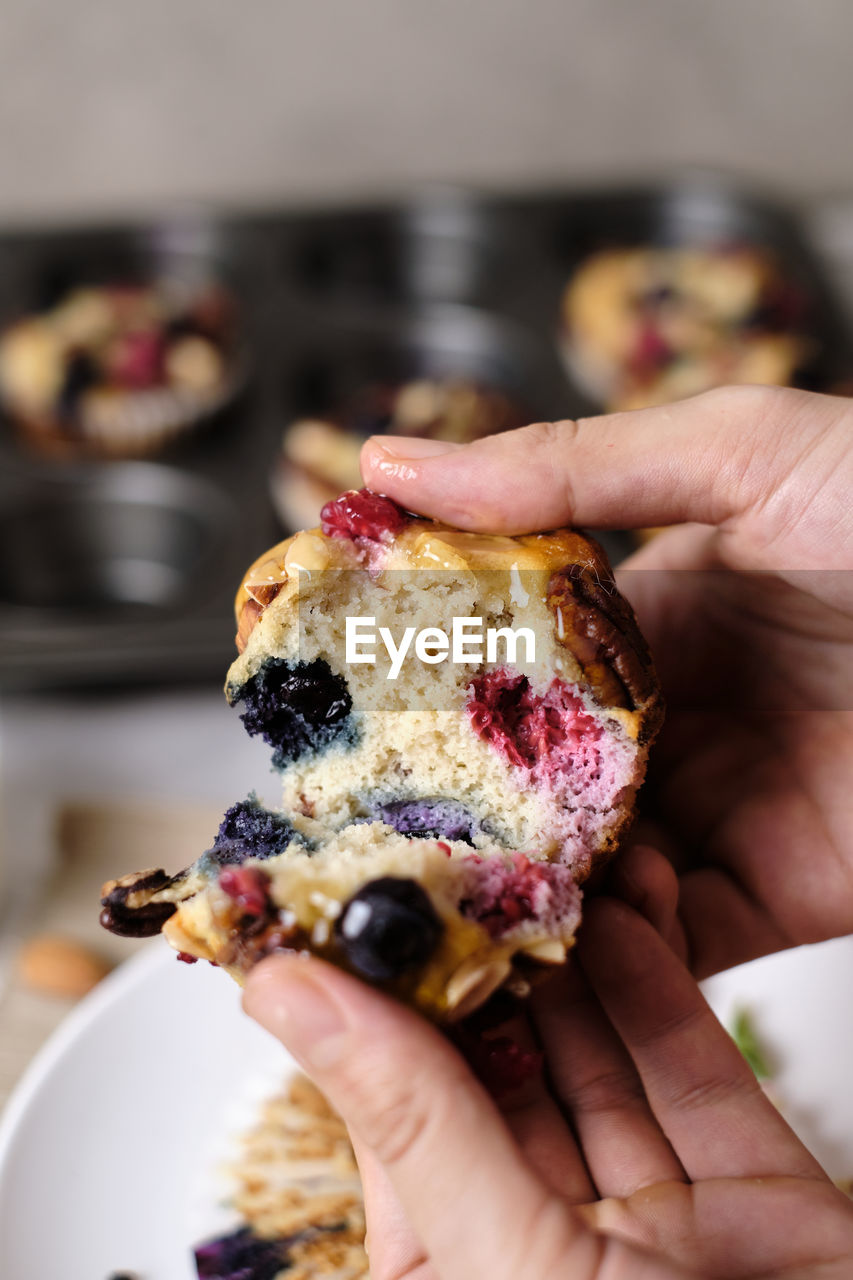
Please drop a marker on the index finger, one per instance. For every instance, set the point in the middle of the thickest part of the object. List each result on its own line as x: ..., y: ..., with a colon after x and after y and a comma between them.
x: 706, y: 459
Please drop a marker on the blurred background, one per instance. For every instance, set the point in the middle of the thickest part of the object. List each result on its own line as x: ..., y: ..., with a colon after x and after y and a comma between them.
x: 113, y: 106
x: 235, y: 240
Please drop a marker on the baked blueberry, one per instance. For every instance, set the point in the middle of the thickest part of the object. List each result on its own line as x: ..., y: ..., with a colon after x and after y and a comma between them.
x: 430, y: 816
x: 248, y: 830
x: 242, y: 1255
x: 388, y: 928
x: 296, y: 708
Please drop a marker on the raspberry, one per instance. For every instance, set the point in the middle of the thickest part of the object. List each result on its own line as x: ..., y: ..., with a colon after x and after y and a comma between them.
x: 248, y: 886
x: 137, y: 360
x: 511, y: 896
x: 651, y: 351
x: 360, y: 513
x: 533, y: 731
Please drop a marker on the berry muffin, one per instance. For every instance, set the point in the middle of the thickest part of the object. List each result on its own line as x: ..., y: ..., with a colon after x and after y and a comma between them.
x: 537, y: 737
x: 444, y: 796
x: 319, y: 456
x: 441, y: 924
x: 117, y: 371
x: 647, y: 326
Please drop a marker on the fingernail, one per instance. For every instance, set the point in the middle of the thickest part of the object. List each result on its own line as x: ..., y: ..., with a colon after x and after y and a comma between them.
x: 298, y: 1011
x: 413, y: 447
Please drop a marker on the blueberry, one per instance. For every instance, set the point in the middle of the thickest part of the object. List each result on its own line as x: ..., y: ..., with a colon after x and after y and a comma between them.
x: 248, y: 830
x: 296, y: 708
x: 387, y: 928
x: 80, y: 374
x: 430, y: 816
x: 242, y: 1256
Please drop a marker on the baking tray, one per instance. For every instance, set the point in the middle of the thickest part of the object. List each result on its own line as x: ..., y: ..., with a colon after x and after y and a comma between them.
x: 122, y: 572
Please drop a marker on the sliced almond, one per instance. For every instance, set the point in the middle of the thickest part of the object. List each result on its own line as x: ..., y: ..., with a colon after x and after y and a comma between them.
x: 473, y: 983
x: 548, y: 951
x: 265, y: 580
x: 429, y: 551
x: 307, y: 553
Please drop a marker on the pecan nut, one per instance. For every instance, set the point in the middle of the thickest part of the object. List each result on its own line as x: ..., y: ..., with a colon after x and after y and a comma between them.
x: 127, y: 906
x: 598, y: 626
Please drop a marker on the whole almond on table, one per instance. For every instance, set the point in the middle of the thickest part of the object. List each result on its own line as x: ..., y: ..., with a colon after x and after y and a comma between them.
x: 60, y: 966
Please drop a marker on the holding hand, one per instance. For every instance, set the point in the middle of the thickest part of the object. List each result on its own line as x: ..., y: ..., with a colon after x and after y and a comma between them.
x: 748, y: 607
x: 648, y: 1150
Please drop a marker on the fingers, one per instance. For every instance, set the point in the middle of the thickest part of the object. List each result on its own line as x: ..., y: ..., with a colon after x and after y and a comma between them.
x: 703, y: 1094
x: 535, y: 1121
x: 395, y: 1251
x: 697, y: 460
x: 466, y: 1189
x: 595, y: 1080
x: 644, y: 879
x: 723, y: 925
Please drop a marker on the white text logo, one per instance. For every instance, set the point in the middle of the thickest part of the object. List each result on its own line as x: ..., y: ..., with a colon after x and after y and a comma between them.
x: 467, y: 643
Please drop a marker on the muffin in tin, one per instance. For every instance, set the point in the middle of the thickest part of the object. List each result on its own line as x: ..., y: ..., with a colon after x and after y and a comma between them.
x: 649, y: 325
x: 319, y: 455
x: 120, y: 370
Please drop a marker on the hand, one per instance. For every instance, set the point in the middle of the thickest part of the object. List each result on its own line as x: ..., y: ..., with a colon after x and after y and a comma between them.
x: 748, y: 607
x: 650, y: 1152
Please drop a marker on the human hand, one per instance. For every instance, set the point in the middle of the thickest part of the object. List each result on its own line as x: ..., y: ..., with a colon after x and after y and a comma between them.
x: 748, y: 607
x: 649, y: 1150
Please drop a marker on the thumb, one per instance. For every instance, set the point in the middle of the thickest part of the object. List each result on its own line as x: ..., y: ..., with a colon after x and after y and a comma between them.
x: 702, y: 460
x: 473, y: 1202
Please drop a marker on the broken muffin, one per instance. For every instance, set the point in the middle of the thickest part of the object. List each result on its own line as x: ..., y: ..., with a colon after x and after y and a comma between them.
x: 443, y: 794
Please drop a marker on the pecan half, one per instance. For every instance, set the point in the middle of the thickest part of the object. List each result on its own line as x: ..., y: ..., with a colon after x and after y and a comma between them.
x: 598, y: 626
x: 127, y: 906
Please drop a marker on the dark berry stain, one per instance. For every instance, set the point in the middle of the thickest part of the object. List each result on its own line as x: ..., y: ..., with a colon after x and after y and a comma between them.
x: 296, y: 708
x: 388, y: 928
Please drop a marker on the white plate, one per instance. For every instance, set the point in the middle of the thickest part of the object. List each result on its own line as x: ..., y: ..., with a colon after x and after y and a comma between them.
x: 110, y: 1135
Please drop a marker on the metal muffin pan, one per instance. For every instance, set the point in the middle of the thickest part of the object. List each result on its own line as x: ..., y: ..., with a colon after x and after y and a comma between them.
x: 127, y: 538
x: 117, y: 572
x: 335, y: 353
x: 332, y: 354
x: 447, y: 247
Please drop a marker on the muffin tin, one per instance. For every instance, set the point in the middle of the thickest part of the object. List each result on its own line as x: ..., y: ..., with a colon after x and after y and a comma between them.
x: 124, y: 572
